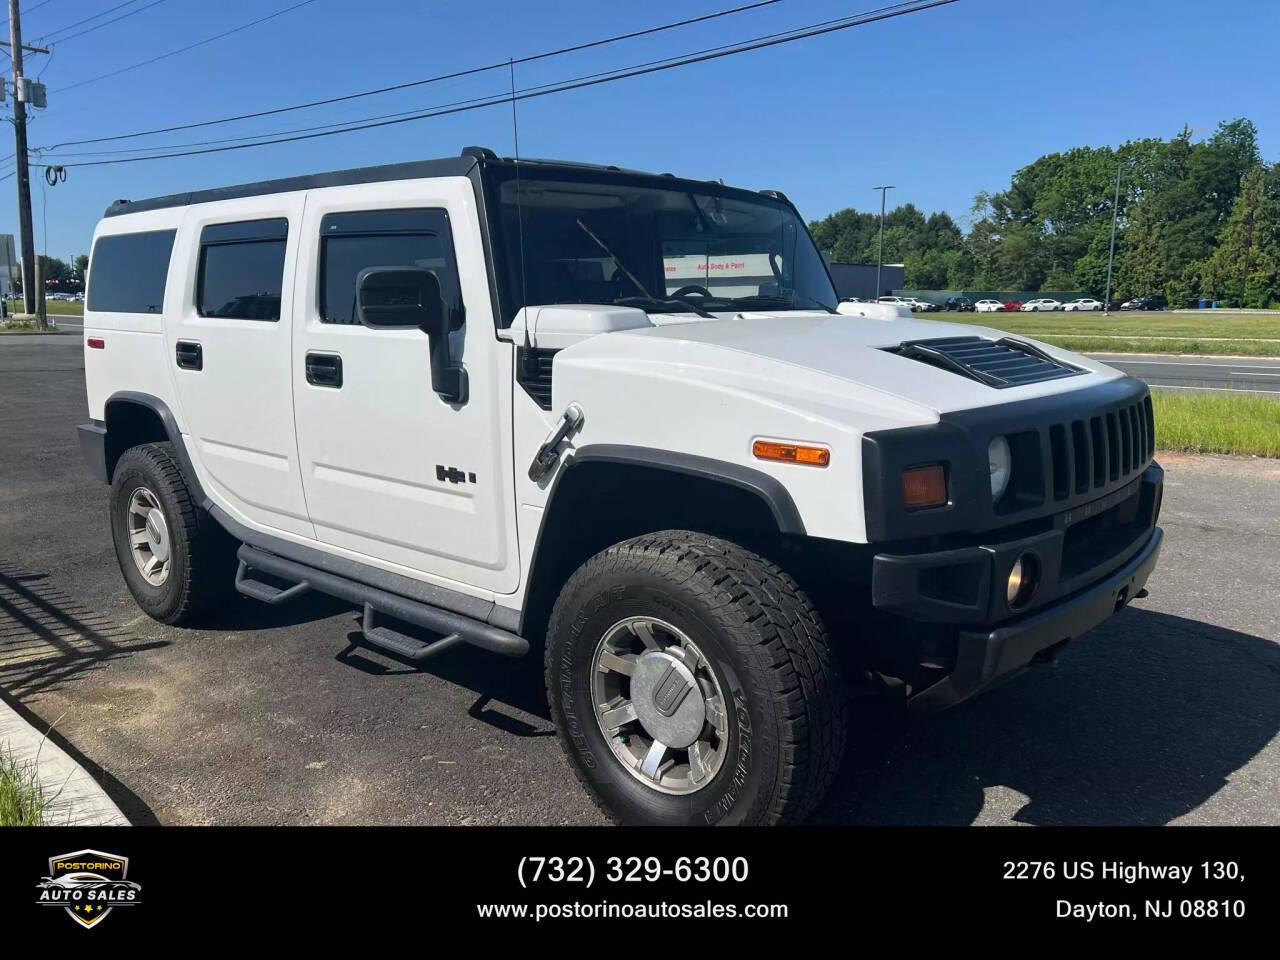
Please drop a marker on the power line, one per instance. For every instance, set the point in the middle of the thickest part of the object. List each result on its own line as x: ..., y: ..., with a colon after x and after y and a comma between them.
x: 52, y: 34
x: 470, y: 71
x: 34, y: 7
x: 190, y: 46
x: 713, y: 53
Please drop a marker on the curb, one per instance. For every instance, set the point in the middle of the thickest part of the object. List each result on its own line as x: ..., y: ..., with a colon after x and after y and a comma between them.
x: 74, y: 798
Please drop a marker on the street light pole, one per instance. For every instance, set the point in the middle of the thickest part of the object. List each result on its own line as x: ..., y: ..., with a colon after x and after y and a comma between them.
x: 880, y: 255
x: 1115, y: 211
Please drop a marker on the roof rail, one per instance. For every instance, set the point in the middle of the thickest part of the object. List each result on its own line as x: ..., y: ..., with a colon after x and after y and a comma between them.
x: 480, y: 153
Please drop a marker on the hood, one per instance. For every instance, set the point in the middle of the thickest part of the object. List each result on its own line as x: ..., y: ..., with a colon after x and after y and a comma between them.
x: 847, y: 348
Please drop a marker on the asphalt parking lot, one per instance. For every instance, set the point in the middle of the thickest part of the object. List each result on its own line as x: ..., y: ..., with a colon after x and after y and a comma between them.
x: 1166, y: 714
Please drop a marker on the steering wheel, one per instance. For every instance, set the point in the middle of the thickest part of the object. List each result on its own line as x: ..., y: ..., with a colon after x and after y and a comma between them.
x: 688, y: 288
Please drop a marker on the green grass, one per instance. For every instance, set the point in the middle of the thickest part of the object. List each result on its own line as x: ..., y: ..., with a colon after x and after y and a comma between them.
x: 22, y: 801
x: 1217, y: 423
x: 59, y: 308
x: 1225, y: 348
x: 1210, y: 332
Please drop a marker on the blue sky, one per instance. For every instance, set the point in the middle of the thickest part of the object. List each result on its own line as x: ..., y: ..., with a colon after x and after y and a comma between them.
x: 942, y: 103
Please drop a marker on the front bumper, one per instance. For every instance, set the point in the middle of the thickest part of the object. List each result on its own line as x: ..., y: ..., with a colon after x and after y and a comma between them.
x: 1092, y: 561
x: 985, y: 657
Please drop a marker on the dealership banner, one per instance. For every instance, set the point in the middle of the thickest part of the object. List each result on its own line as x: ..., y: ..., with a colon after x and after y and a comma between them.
x: 85, y: 886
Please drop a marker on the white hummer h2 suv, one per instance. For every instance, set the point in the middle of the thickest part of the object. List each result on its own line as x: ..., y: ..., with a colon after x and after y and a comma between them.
x: 616, y: 418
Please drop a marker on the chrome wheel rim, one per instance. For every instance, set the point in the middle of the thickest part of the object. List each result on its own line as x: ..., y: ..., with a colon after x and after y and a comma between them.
x: 149, y: 537
x: 660, y: 705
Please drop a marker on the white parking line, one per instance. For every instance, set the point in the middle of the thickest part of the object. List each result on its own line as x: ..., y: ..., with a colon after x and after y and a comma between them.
x: 1179, y: 386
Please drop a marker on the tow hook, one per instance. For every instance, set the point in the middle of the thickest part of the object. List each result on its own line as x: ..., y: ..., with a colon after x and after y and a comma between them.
x: 549, y: 453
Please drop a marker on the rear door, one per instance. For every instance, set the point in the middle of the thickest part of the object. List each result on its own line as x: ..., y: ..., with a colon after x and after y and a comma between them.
x: 394, y: 474
x: 228, y: 351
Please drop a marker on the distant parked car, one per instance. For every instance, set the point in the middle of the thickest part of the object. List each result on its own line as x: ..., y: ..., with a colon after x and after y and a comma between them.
x: 1012, y: 306
x: 989, y: 306
x: 920, y: 306
x: 897, y: 302
x: 959, y: 304
x: 1153, y: 302
x: 1042, y: 304
x: 1083, y: 303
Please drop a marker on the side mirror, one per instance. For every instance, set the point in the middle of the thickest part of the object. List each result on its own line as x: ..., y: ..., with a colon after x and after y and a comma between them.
x: 399, y: 297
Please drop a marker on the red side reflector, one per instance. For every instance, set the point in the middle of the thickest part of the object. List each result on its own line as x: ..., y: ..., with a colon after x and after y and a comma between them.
x: 96, y: 343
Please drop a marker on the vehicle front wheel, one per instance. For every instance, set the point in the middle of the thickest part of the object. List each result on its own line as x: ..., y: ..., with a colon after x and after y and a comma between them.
x: 176, y: 561
x: 692, y: 682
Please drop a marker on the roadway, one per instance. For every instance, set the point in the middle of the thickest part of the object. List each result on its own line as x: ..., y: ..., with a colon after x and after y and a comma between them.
x: 1234, y: 374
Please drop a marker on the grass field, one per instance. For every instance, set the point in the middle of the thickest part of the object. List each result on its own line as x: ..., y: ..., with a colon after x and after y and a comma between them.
x: 1217, y: 423
x: 60, y: 308
x: 1211, y: 332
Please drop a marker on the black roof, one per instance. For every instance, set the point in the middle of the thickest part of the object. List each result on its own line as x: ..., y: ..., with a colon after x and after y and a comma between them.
x: 459, y: 166
x: 414, y: 170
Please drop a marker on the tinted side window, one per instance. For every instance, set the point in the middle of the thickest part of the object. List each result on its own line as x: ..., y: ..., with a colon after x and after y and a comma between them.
x: 127, y: 272
x: 242, y: 269
x: 349, y: 242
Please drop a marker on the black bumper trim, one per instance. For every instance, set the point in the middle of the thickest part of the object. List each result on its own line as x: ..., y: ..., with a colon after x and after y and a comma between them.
x: 965, y: 585
x: 93, y: 447
x: 984, y: 658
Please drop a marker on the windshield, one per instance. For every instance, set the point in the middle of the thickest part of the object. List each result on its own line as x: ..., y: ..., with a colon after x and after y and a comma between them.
x: 605, y: 238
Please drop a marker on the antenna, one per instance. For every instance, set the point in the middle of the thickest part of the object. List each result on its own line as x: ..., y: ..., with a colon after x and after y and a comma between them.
x: 524, y: 286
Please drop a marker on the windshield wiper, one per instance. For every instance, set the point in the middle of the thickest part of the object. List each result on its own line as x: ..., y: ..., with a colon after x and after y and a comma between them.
x: 660, y: 302
x: 784, y: 301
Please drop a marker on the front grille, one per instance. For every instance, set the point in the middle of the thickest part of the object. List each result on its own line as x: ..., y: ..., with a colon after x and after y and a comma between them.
x: 1102, y: 450
x: 1007, y: 362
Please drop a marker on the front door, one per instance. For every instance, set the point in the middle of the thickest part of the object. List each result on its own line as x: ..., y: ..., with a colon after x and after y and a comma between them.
x: 394, y: 474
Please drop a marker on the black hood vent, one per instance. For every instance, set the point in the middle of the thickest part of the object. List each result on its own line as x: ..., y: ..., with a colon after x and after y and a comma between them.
x: 1006, y: 362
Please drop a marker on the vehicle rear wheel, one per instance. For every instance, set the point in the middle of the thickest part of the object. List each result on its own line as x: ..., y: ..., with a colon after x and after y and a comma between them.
x: 176, y: 561
x: 692, y: 682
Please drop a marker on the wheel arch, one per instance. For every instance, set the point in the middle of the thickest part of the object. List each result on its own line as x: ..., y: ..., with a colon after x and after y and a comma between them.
x: 132, y: 418
x: 606, y: 493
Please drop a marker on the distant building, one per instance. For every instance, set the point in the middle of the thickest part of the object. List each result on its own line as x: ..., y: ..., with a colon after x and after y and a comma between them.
x: 859, y: 279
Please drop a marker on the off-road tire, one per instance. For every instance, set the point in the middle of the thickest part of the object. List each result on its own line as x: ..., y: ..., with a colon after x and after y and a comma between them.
x: 202, y: 554
x: 769, y: 647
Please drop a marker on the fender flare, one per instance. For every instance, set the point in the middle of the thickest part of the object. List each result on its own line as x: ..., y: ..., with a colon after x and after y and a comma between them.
x: 768, y: 489
x: 170, y: 424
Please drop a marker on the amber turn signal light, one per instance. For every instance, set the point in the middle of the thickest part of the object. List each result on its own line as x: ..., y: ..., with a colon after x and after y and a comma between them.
x: 791, y: 453
x: 924, y: 487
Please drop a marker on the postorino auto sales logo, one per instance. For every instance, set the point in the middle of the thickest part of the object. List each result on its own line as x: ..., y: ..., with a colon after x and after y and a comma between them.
x: 88, y: 884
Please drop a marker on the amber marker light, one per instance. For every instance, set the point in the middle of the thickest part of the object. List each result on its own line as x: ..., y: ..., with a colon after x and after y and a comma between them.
x: 924, y: 487
x: 791, y: 453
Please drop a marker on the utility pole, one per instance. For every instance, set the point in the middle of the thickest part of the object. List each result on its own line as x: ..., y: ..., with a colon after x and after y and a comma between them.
x: 22, y: 173
x: 1115, y: 212
x: 880, y: 256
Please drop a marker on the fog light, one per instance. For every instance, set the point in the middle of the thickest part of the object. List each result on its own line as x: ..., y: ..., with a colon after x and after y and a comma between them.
x: 1023, y: 579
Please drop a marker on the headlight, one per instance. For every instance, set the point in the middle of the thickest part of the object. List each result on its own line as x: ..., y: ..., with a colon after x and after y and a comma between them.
x: 1000, y: 464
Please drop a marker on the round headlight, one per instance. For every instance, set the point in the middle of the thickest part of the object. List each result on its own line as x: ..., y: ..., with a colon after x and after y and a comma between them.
x: 1000, y: 464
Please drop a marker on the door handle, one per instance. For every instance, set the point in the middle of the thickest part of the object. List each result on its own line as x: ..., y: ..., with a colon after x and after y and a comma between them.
x: 190, y: 355
x: 324, y: 369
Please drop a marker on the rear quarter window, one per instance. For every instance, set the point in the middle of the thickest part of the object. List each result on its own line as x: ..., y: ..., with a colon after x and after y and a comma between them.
x: 127, y: 272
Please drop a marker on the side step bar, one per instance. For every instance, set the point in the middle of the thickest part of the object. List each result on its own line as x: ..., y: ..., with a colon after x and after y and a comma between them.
x: 455, y: 627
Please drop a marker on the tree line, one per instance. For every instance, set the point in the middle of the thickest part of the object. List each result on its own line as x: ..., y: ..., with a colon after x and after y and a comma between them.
x: 1195, y: 218
x: 61, y: 273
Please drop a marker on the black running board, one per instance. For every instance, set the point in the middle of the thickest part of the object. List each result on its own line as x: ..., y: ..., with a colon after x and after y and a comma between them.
x: 455, y: 627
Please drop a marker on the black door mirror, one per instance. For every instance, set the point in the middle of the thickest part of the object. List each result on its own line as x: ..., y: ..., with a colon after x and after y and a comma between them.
x: 398, y: 297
